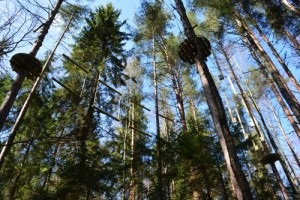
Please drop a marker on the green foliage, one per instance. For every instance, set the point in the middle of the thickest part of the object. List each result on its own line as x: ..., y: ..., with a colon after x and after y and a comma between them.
x: 5, y: 83
x: 151, y: 20
x: 257, y: 83
x: 66, y: 149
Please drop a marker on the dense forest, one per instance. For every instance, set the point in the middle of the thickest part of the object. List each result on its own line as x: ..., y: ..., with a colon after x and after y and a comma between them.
x: 183, y: 100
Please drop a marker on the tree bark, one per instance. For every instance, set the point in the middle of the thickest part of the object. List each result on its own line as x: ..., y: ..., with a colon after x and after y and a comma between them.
x: 159, y: 186
x: 259, y: 132
x: 11, y: 96
x: 175, y: 78
x: 13, y: 133
x: 132, y: 184
x: 238, y: 179
x: 16, y: 86
x: 285, y: 91
x: 292, y: 39
x: 291, y: 7
x: 276, y: 54
x: 296, y: 158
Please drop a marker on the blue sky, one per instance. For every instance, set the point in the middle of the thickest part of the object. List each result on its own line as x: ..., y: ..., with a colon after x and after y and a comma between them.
x: 127, y: 7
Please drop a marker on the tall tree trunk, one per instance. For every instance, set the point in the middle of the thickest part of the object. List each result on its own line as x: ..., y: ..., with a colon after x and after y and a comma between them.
x: 291, y: 7
x: 276, y: 54
x: 237, y: 176
x: 284, y: 89
x: 132, y: 184
x: 175, y: 78
x: 296, y: 158
x: 260, y: 132
x: 159, y: 186
x: 192, y: 104
x: 86, y: 131
x: 13, y: 133
x: 275, y: 91
x: 16, y: 86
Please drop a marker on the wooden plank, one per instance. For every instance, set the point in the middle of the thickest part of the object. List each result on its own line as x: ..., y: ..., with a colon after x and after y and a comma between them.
x: 132, y: 101
x: 165, y: 117
x: 106, y: 113
x: 110, y: 87
x: 68, y: 58
x: 71, y: 91
x: 140, y: 131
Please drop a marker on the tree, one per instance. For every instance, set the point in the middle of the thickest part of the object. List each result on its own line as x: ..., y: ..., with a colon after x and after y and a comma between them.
x: 238, y: 179
x: 11, y: 96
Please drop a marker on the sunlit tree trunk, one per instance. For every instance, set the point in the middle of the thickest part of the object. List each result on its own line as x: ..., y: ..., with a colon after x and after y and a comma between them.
x: 296, y: 158
x: 159, y: 186
x: 284, y: 89
x: 16, y: 86
x: 273, y: 87
x: 256, y: 125
x: 237, y: 176
x: 291, y: 7
x: 132, y: 184
x: 276, y: 54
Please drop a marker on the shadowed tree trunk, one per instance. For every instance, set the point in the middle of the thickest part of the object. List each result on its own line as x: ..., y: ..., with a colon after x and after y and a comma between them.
x: 16, y: 86
x: 159, y: 186
x: 12, y: 135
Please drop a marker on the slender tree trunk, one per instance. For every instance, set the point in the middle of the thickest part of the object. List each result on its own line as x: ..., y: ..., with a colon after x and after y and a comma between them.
x: 276, y: 54
x: 132, y: 184
x: 15, y: 181
x: 292, y: 39
x: 260, y: 132
x: 87, y: 130
x: 285, y: 91
x: 194, y: 113
x: 237, y: 176
x: 13, y: 133
x: 175, y: 78
x: 159, y: 187
x: 16, y: 86
x: 124, y: 155
x: 296, y: 158
x: 291, y: 7
x: 286, y: 110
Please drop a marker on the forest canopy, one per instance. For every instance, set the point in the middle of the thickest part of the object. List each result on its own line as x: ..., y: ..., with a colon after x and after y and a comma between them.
x: 179, y: 100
